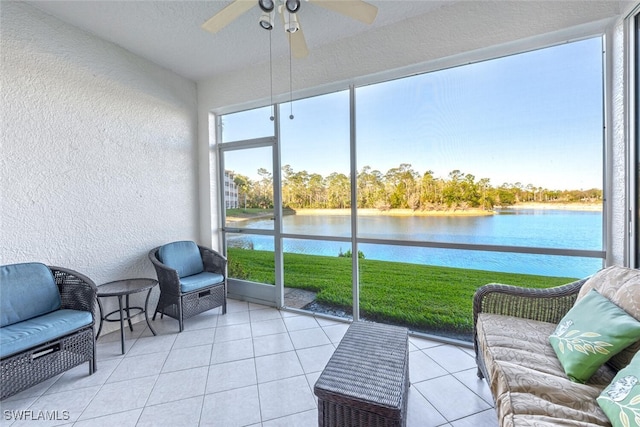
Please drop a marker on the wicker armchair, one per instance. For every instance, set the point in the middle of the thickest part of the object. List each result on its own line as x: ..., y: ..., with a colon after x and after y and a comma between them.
x: 56, y: 339
x: 192, y: 279
x: 545, y: 305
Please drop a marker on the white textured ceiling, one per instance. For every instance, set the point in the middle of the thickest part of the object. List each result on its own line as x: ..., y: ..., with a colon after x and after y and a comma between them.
x: 169, y: 34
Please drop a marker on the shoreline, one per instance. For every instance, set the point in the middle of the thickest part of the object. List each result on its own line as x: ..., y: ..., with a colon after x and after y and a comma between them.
x: 587, y: 207
x: 458, y: 212
x: 393, y: 212
x: 592, y: 207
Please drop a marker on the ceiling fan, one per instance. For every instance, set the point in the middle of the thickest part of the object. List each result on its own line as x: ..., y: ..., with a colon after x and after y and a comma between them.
x: 288, y: 10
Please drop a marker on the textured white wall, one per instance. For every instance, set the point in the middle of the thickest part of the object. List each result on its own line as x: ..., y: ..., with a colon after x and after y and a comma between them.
x: 99, y: 159
x: 616, y: 191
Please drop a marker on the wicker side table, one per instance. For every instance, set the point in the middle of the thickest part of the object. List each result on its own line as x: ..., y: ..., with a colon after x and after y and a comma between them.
x: 120, y: 288
x: 366, y: 381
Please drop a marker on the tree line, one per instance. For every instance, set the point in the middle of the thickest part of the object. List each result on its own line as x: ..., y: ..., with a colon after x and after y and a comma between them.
x: 399, y: 188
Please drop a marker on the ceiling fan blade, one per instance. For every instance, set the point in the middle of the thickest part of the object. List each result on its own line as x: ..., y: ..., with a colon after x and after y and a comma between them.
x: 298, y: 44
x: 356, y: 9
x: 228, y: 15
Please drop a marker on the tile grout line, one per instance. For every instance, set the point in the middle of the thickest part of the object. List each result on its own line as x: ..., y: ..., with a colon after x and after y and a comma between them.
x: 206, y: 383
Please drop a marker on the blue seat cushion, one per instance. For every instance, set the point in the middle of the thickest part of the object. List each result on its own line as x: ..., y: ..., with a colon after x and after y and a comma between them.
x: 28, y: 290
x: 184, y: 257
x: 24, y: 335
x: 198, y: 281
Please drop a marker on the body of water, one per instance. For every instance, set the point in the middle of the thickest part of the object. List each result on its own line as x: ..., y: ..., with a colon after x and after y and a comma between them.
x: 563, y: 229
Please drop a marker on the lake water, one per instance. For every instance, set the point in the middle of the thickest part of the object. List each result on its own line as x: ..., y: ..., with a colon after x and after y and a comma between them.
x: 543, y: 228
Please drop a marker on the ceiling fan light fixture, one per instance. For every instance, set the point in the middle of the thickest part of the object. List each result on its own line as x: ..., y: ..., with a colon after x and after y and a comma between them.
x: 267, y: 5
x: 266, y: 20
x: 292, y: 5
x: 291, y: 24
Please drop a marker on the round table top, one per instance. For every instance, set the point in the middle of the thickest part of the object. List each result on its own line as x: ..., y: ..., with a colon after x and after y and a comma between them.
x: 125, y: 287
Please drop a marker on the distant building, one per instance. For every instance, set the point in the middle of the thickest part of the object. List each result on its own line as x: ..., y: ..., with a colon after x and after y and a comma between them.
x: 230, y: 191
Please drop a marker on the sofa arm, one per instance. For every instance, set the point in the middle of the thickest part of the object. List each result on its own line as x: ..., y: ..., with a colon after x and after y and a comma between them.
x: 213, y: 261
x: 545, y: 305
x: 77, y: 291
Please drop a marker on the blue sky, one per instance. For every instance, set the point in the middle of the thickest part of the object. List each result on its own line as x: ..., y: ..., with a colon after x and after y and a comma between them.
x: 533, y: 118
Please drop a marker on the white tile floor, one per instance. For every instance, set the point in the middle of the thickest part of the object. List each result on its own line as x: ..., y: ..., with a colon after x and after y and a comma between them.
x: 254, y: 366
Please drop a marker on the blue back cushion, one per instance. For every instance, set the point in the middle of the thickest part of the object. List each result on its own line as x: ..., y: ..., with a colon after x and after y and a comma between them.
x: 183, y: 257
x: 26, y: 291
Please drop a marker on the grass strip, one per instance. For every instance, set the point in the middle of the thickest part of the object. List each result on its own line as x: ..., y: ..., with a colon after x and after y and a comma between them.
x: 430, y: 299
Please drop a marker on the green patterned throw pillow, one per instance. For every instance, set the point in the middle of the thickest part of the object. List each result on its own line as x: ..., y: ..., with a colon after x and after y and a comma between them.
x: 620, y: 401
x: 590, y: 333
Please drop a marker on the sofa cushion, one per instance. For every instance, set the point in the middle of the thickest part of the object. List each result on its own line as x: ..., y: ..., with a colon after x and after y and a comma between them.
x: 28, y: 290
x: 198, y: 281
x: 621, y: 399
x: 620, y: 285
x: 582, y: 344
x: 182, y: 256
x: 24, y: 335
x: 527, y: 380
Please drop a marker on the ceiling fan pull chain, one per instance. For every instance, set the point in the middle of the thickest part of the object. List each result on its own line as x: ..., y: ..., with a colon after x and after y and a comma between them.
x: 290, y: 83
x: 272, y: 118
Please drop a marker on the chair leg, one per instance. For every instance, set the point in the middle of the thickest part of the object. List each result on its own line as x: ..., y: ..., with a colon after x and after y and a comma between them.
x: 158, y: 311
x: 180, y: 320
x: 93, y: 365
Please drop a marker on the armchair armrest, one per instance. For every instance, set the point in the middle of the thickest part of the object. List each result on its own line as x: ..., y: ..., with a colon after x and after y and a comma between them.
x: 545, y: 305
x: 77, y: 291
x: 168, y: 278
x: 213, y: 261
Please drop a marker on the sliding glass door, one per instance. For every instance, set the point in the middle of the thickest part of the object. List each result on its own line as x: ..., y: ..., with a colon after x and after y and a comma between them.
x: 247, y: 194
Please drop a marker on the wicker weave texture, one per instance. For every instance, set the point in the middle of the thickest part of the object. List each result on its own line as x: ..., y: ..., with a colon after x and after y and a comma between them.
x: 26, y: 369
x: 180, y: 306
x: 366, y: 381
x: 545, y: 305
x: 197, y: 302
x: 77, y: 291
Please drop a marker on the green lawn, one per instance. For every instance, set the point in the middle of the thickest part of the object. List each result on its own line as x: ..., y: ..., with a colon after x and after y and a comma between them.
x: 248, y: 212
x: 430, y: 299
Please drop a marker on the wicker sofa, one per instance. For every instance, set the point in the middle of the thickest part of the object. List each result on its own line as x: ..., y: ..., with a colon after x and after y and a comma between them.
x: 512, y: 329
x: 46, y: 324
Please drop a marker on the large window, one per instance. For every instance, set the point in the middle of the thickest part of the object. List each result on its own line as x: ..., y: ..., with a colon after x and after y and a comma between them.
x: 315, y: 165
x: 502, y: 152
x: 397, y: 200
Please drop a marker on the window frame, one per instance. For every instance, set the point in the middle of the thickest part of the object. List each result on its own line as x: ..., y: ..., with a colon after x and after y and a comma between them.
x: 355, y: 240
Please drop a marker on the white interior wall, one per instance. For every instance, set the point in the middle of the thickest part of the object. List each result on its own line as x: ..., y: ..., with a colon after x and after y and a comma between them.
x: 98, y: 160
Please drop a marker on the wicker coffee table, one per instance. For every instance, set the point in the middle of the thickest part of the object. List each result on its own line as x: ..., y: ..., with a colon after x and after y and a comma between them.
x: 366, y: 381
